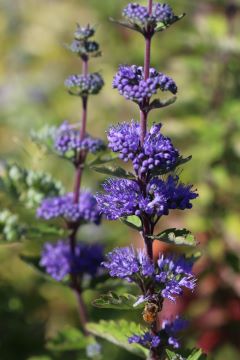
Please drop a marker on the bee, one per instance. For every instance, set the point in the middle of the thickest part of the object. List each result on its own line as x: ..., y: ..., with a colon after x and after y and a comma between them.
x: 150, y: 313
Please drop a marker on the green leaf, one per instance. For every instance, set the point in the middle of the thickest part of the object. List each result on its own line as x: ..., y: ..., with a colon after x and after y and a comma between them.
x: 163, y: 26
x: 133, y: 222
x: 173, y: 356
x: 117, y: 332
x: 196, y: 354
x: 176, y: 237
x: 114, y: 171
x: 127, y: 25
x: 102, y: 159
x: 157, y: 103
x: 118, y: 302
x: 69, y: 339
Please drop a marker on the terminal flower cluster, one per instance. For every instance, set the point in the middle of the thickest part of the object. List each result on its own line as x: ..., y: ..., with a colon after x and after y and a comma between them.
x: 84, y: 85
x: 86, y: 210
x: 67, y: 139
x: 81, y: 44
x: 130, y: 83
x: 156, y: 152
x: 59, y: 261
x: 139, y: 15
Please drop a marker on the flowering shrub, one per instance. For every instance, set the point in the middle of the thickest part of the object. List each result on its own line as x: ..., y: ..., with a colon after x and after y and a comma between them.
x: 139, y: 199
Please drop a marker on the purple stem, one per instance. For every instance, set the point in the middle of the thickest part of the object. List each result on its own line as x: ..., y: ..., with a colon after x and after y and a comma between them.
x: 77, y: 187
x: 147, y: 59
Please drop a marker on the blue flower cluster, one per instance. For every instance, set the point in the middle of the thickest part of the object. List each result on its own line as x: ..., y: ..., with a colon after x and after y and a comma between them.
x: 156, y: 153
x: 84, y: 85
x: 137, y: 14
x: 167, y: 335
x: 58, y: 260
x: 169, y: 276
x: 130, y: 83
x: 67, y: 139
x: 124, y: 197
x: 125, y: 262
x: 63, y: 206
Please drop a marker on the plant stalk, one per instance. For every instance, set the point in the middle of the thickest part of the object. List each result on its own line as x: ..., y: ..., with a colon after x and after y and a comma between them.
x: 77, y: 187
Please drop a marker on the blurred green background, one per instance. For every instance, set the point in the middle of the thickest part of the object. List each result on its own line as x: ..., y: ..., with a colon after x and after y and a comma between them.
x: 202, y: 54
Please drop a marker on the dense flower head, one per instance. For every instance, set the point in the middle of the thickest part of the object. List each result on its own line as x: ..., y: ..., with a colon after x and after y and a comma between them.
x: 124, y: 197
x: 67, y: 138
x: 63, y: 206
x: 125, y: 262
x: 174, y: 274
x: 130, y: 83
x: 137, y: 14
x: 147, y: 340
x: 83, y: 85
x: 169, y: 275
x: 167, y: 335
x: 157, y: 151
x: 59, y: 261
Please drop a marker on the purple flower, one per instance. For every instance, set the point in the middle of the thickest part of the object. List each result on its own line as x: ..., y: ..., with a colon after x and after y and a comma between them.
x: 173, y: 275
x: 169, y: 194
x: 121, y: 198
x: 58, y: 260
x: 63, y: 206
x: 130, y: 83
x: 125, y: 139
x: 171, y: 328
x: 157, y: 151
x: 167, y: 334
x: 124, y: 197
x: 125, y: 262
x: 147, y: 340
x: 67, y: 139
x: 122, y: 263
x: 137, y: 14
x: 83, y: 85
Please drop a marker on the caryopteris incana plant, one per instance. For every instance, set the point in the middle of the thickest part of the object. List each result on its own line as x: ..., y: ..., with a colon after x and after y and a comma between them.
x: 148, y: 193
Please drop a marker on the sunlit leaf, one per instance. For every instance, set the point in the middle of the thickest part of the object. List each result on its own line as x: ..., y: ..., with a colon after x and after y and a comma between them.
x: 114, y: 171
x: 118, y: 302
x: 117, y: 332
x: 176, y: 237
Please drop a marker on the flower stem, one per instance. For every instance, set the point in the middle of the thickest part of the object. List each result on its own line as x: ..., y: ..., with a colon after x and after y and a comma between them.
x: 77, y: 187
x: 147, y: 60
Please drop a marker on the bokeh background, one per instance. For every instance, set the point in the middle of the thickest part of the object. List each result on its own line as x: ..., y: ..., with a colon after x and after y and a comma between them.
x: 202, y: 54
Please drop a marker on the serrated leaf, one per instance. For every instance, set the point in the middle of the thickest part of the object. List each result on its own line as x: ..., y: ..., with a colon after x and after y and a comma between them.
x: 117, y: 332
x: 176, y: 237
x: 133, y: 222
x: 69, y: 339
x: 114, y: 171
x: 118, y: 302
